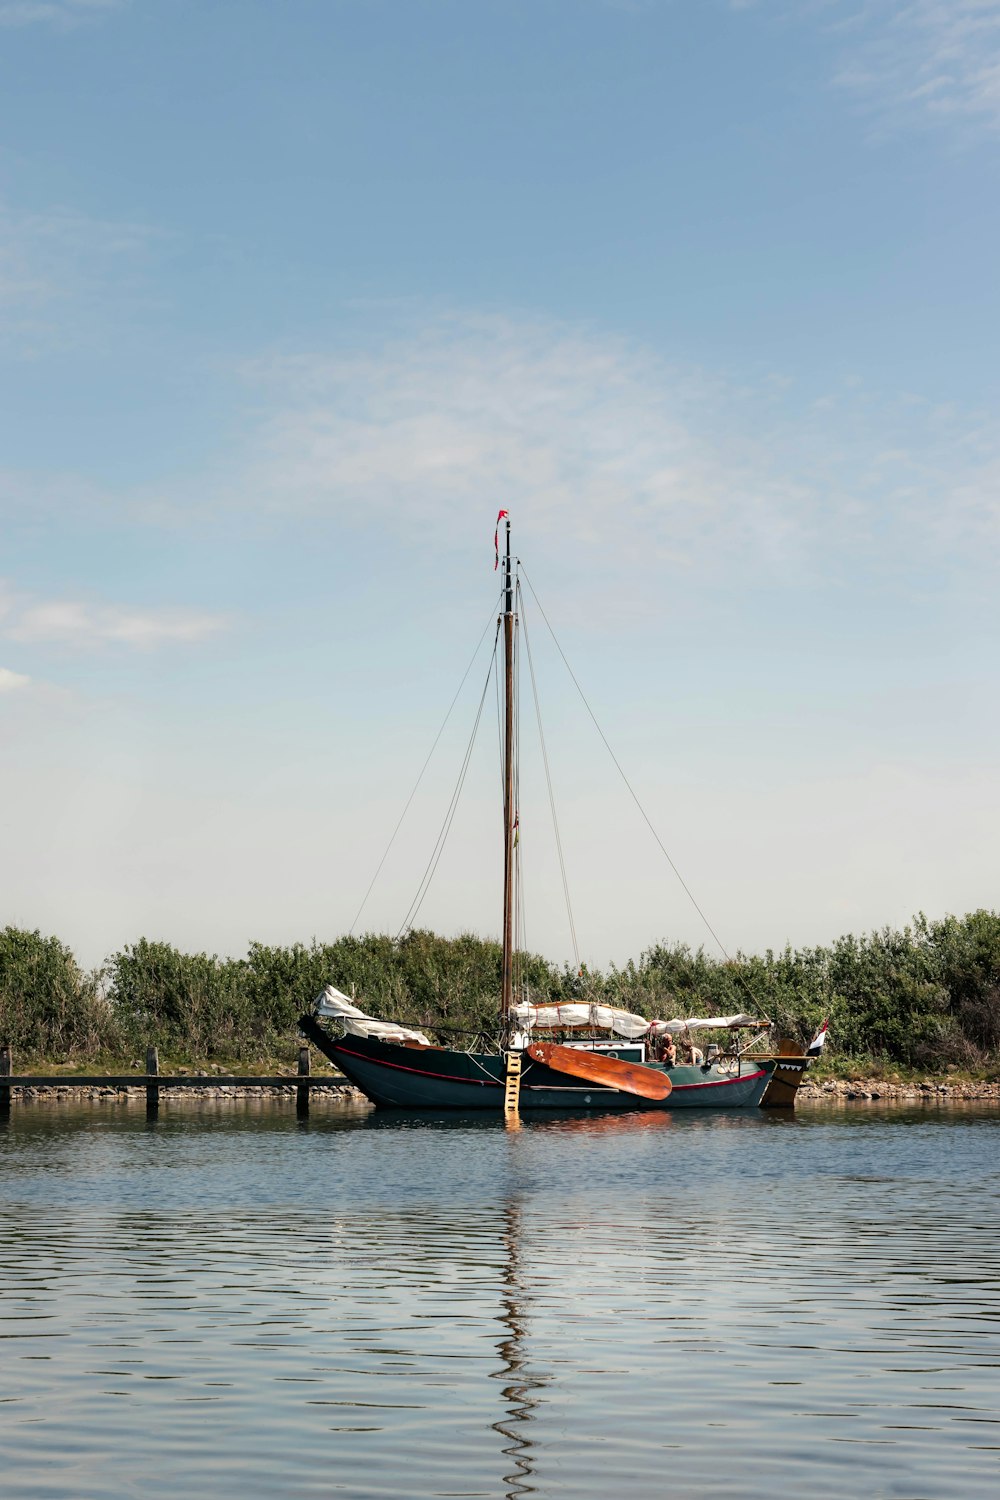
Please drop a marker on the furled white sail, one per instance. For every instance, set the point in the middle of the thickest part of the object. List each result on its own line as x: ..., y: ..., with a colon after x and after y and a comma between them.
x: 704, y: 1023
x: 555, y: 1017
x: 622, y: 1022
x: 331, y: 1003
x: 575, y: 1013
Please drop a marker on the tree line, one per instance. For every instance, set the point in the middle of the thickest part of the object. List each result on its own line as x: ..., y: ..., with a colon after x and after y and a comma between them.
x: 925, y: 997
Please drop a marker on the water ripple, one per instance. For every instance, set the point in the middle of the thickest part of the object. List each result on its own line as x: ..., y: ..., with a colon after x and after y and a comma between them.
x: 369, y: 1306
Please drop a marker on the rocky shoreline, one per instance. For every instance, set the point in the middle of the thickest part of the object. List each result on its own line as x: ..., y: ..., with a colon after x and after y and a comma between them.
x: 928, y: 1091
x: 339, y: 1092
x: 813, y: 1091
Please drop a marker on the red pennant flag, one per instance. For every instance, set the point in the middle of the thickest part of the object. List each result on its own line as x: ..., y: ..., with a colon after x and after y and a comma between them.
x: 496, y: 540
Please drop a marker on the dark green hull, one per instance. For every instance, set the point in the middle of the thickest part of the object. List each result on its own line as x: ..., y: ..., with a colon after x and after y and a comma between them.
x: 435, y: 1078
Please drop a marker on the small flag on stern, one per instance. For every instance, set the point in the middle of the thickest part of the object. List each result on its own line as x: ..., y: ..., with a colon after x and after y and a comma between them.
x: 496, y: 540
x: 818, y: 1042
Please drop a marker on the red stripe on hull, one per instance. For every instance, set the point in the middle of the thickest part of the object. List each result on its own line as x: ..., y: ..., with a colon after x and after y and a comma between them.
x: 483, y: 1083
x: 489, y: 1083
x: 719, y: 1083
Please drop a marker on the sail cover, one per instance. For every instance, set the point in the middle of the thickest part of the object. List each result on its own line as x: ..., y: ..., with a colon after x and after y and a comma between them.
x: 576, y: 1013
x: 704, y: 1023
x: 330, y: 1003
x: 621, y: 1022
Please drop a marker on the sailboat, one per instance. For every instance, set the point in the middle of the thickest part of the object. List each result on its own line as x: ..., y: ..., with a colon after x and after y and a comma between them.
x: 622, y: 1061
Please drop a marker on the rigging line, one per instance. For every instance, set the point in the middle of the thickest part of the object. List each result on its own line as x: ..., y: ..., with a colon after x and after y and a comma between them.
x: 686, y: 888
x: 500, y: 749
x: 496, y: 679
x: 523, y: 949
x: 518, y: 889
x: 449, y: 818
x: 438, y: 849
x: 420, y: 778
x: 523, y: 928
x: 548, y: 782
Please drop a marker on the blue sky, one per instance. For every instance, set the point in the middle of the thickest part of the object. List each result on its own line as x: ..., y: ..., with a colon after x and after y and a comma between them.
x: 293, y: 297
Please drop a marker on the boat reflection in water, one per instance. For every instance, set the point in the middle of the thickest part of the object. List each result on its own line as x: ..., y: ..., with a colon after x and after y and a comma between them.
x: 520, y: 1385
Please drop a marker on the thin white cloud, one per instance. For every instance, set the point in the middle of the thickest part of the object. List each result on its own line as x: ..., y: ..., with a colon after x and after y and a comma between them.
x: 596, y: 440
x: 61, y: 13
x: 55, y: 266
x: 938, y: 58
x: 11, y: 681
x: 73, y: 623
x: 909, y: 60
x: 600, y: 446
x: 585, y: 432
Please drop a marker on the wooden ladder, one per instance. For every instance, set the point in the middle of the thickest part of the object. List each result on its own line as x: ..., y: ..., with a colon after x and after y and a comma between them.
x: 512, y: 1085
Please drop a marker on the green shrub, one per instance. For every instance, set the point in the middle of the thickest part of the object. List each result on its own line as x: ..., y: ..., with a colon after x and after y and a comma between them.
x: 48, y: 1007
x: 923, y: 998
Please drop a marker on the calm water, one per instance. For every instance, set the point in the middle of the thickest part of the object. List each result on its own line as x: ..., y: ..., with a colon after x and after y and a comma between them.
x: 365, y: 1306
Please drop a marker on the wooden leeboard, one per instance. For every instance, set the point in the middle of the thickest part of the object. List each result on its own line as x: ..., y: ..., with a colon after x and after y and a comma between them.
x: 603, y: 1072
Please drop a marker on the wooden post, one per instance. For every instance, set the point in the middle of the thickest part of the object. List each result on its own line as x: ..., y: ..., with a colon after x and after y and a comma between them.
x: 152, y: 1089
x: 302, y: 1092
x: 5, y: 1072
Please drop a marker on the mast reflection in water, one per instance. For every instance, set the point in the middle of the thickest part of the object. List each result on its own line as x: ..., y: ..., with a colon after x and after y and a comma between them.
x: 632, y: 1305
x: 519, y: 1391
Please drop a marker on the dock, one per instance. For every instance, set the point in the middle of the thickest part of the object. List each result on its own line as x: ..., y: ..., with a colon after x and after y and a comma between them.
x: 303, y: 1081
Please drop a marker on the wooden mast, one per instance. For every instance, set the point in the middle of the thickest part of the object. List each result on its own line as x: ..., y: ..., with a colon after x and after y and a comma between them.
x: 509, y: 812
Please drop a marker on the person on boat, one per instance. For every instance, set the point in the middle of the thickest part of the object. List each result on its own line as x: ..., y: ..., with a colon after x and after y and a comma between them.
x: 691, y: 1054
x: 668, y: 1054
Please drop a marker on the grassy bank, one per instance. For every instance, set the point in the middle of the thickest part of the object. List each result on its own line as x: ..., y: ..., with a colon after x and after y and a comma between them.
x: 920, y: 1001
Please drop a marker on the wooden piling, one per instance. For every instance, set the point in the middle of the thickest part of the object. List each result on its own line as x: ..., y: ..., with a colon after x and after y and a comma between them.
x: 152, y: 1089
x: 5, y: 1071
x: 302, y: 1092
